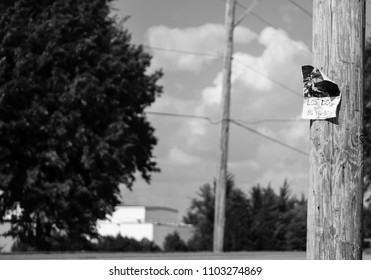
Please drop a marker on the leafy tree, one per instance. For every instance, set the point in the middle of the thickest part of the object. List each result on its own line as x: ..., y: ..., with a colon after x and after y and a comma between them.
x: 72, y: 123
x: 295, y: 223
x: 265, y: 216
x: 280, y: 221
x: 173, y: 243
x: 201, y: 215
x: 367, y: 223
x: 262, y: 221
x: 238, y: 220
x: 124, y: 244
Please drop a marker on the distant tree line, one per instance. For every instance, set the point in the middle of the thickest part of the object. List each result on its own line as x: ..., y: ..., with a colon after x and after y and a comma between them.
x: 102, y: 244
x: 262, y: 220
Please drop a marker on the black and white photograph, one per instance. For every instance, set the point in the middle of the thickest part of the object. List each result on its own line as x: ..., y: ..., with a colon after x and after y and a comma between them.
x: 175, y: 130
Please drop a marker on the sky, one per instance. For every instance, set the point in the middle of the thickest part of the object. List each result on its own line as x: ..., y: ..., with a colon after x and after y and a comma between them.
x: 187, y: 39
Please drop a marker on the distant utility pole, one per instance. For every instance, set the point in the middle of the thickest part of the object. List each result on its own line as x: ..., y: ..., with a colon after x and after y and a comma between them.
x: 220, y: 192
x: 336, y: 148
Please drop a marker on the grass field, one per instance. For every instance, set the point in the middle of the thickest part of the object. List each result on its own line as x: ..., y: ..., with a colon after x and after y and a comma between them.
x: 160, y: 256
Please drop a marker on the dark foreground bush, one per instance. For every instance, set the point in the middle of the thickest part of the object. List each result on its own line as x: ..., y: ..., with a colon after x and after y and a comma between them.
x: 102, y: 244
x: 173, y: 243
x: 125, y: 244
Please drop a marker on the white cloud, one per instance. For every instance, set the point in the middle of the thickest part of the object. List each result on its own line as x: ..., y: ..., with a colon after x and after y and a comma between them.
x: 254, y: 89
x: 280, y: 61
x: 193, y: 143
x: 281, y: 49
x: 255, y: 96
x: 213, y: 95
x: 297, y: 134
x: 208, y: 39
x: 251, y: 72
x: 179, y: 157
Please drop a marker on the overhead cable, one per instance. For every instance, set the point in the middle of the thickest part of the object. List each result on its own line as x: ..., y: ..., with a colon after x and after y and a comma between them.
x: 300, y: 7
x: 182, y: 51
x: 271, y: 79
x: 236, y: 122
x: 269, y: 138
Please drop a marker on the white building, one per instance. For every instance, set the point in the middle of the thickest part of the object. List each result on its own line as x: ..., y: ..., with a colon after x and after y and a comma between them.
x: 5, y: 242
x: 138, y: 222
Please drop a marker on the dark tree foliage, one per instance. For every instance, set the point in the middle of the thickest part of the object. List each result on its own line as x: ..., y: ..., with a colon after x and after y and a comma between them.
x: 264, y: 214
x: 367, y: 221
x: 124, y: 244
x: 201, y: 215
x: 173, y: 243
x: 280, y: 221
x: 296, y: 226
x: 238, y: 218
x: 263, y: 220
x: 73, y: 90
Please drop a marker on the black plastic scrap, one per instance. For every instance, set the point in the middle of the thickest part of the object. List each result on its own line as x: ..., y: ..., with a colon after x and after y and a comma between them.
x: 317, y: 84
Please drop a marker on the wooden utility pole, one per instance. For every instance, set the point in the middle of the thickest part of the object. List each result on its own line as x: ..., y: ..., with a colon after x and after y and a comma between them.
x: 336, y: 148
x: 220, y: 192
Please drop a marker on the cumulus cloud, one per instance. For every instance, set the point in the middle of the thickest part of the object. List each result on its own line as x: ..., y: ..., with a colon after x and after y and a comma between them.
x: 213, y: 95
x: 193, y: 143
x: 297, y: 134
x: 205, y: 39
x: 255, y: 79
x: 280, y: 61
x: 254, y: 96
x: 179, y: 157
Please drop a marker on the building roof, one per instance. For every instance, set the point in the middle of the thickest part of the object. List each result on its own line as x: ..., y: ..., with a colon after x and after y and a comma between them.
x: 151, y: 207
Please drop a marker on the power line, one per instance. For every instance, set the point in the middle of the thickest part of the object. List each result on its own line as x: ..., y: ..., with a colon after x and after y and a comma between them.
x: 182, y: 51
x: 183, y: 116
x: 216, y: 56
x: 257, y: 121
x: 269, y: 120
x: 309, y: 14
x: 292, y: 2
x: 263, y: 20
x: 255, y: 15
x: 246, y: 12
x: 239, y: 5
x: 300, y: 7
x: 238, y: 123
x: 270, y: 138
x: 273, y: 80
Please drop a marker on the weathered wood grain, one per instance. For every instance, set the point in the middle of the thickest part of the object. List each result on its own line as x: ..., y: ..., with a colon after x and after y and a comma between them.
x: 336, y: 148
x: 220, y: 192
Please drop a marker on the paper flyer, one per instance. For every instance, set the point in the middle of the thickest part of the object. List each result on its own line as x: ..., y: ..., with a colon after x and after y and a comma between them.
x: 321, y: 95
